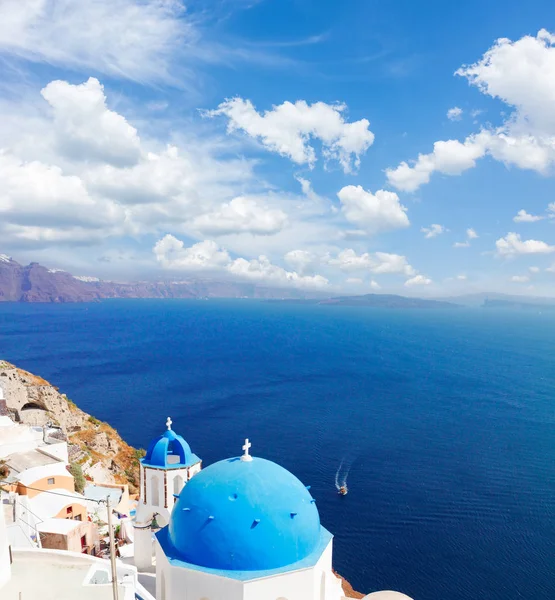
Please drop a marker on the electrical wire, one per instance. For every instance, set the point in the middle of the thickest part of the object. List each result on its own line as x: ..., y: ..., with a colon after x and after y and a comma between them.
x: 58, y: 494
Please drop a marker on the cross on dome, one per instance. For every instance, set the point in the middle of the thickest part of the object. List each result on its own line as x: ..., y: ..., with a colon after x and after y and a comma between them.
x: 246, y: 456
x: 169, y: 423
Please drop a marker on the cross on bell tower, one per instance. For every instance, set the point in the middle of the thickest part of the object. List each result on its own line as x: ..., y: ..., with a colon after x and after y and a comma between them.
x: 246, y: 456
x: 169, y: 423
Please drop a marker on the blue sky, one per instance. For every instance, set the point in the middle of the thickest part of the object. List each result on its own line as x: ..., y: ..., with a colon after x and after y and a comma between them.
x: 354, y: 147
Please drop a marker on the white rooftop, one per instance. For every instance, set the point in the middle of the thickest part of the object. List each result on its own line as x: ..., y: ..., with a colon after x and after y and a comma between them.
x: 59, y: 575
x: 21, y: 461
x: 49, y: 504
x: 51, y: 469
x: 62, y: 526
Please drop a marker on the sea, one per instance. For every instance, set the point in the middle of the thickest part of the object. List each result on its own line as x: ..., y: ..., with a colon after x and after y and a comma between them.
x: 442, y: 422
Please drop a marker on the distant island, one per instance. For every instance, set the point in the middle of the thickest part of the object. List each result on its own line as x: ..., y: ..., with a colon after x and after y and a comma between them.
x: 376, y: 301
x: 523, y: 305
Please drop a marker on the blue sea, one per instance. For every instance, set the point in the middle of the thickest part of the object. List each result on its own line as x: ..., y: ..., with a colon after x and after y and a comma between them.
x: 443, y: 422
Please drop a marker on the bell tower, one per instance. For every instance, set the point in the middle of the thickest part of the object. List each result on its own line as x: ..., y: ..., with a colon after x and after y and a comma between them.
x: 167, y: 466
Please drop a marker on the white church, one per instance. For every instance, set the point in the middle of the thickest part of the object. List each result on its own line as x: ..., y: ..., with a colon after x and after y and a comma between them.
x: 243, y: 528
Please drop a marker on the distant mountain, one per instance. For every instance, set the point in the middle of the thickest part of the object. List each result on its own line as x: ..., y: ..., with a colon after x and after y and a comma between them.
x: 388, y: 301
x: 35, y: 283
x: 376, y: 301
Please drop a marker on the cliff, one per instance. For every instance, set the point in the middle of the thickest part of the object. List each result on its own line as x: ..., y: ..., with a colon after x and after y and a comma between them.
x: 35, y: 283
x: 96, y: 446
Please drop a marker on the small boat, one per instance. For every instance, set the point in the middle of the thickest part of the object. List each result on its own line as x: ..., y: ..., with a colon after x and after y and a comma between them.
x: 343, y: 490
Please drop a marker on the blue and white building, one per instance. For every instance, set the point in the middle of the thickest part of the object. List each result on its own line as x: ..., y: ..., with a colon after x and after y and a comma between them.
x: 245, y: 529
x: 167, y: 466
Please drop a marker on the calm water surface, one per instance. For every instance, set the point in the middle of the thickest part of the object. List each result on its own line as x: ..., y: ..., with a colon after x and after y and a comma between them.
x: 444, y: 420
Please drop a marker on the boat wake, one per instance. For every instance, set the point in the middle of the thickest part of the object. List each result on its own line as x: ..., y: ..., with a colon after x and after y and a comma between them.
x: 342, y: 473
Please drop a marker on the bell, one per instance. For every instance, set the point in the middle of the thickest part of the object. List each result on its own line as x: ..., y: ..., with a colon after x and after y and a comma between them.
x: 154, y: 523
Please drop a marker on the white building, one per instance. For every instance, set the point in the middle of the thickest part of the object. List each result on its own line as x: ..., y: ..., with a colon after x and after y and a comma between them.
x: 60, y: 575
x: 167, y: 466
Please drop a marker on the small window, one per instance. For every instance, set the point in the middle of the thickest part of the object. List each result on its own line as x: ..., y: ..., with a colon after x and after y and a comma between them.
x: 51, y: 481
x: 69, y: 510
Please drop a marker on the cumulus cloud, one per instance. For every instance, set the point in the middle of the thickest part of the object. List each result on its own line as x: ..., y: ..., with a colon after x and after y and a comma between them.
x: 123, y: 38
x: 534, y: 269
x: 38, y: 203
x: 527, y: 137
x: 86, y: 129
x: 449, y: 157
x: 302, y: 261
x: 521, y: 74
x: 171, y: 253
x: 417, y: 280
x: 433, y: 230
x: 377, y: 212
x: 241, y: 215
x: 377, y: 262
x: 207, y: 256
x: 523, y: 217
x: 461, y: 277
x: 288, y: 128
x: 513, y: 245
x: 455, y: 113
x: 551, y: 210
x: 520, y: 279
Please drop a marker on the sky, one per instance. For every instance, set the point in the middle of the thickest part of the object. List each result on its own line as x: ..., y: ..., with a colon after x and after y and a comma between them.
x: 361, y: 146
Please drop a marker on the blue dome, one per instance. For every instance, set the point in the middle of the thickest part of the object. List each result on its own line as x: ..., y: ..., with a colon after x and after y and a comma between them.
x: 244, y: 516
x: 169, y: 451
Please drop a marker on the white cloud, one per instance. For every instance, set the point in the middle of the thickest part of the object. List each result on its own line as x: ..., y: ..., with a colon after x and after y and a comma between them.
x: 241, y: 215
x: 302, y: 261
x: 520, y: 279
x: 551, y: 269
x: 354, y: 280
x: 471, y: 234
x: 376, y: 262
x: 551, y: 210
x: 417, y: 280
x: 123, y: 38
x: 86, y: 129
x: 534, y: 269
x: 375, y: 285
x: 38, y: 203
x: 209, y: 257
x: 449, y: 157
x: 288, y: 128
x: 171, y: 253
x: 521, y: 74
x: 523, y: 217
x: 377, y: 212
x: 455, y: 113
x: 433, y: 230
x: 461, y: 277
x: 513, y: 245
